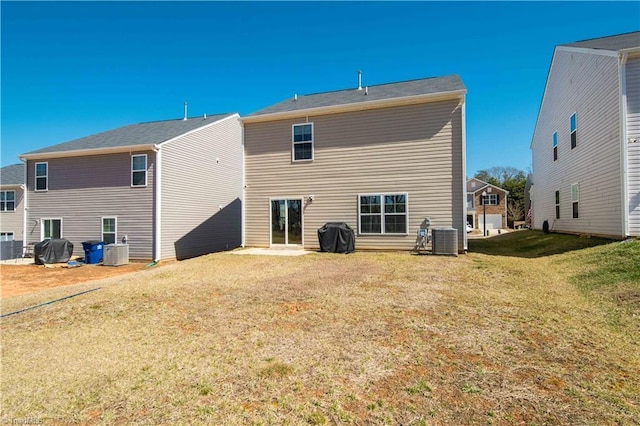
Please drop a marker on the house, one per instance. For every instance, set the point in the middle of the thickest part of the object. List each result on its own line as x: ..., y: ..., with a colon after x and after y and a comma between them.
x: 380, y: 158
x: 586, y: 143
x: 12, y: 206
x: 170, y: 189
x: 492, y: 207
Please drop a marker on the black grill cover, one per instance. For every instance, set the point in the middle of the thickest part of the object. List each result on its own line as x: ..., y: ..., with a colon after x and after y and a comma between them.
x: 336, y: 237
x: 52, y: 251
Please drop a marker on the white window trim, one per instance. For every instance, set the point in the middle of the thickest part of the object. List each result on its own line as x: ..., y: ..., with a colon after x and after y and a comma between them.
x: 5, y: 200
x: 571, y: 132
x: 146, y: 170
x: 382, y: 214
x: 36, y: 177
x: 51, y: 218
x: 293, y: 143
x: 576, y: 199
x: 115, y: 231
x: 6, y: 234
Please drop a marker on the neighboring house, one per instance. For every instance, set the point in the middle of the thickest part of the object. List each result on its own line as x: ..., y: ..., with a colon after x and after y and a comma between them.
x: 12, y: 206
x: 492, y: 207
x: 586, y: 144
x: 380, y: 158
x: 172, y: 188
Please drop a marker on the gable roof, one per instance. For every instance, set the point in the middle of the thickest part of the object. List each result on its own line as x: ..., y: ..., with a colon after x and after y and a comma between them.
x: 131, y: 136
x: 380, y: 92
x: 12, y: 175
x: 614, y: 43
x: 482, y: 185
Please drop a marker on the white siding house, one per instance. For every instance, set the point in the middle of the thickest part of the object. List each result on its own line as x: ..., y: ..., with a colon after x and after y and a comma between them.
x: 586, y: 143
x: 171, y: 189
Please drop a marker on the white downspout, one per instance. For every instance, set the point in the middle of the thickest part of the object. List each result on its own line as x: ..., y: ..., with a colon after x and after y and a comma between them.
x: 25, y: 207
x: 243, y: 213
x: 623, y: 143
x: 464, y: 173
x: 158, y: 204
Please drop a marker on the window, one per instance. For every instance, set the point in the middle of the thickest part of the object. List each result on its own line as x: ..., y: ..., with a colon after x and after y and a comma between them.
x: 382, y: 214
x: 6, y: 236
x: 555, y: 146
x: 489, y: 199
x: 7, y: 201
x: 42, y: 176
x: 302, y: 142
x: 109, y: 230
x: 139, y: 170
x: 557, y: 204
x: 575, y: 198
x: 51, y: 228
x: 574, y: 131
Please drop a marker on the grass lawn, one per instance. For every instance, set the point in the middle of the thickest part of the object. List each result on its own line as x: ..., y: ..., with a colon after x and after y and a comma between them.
x: 526, y: 329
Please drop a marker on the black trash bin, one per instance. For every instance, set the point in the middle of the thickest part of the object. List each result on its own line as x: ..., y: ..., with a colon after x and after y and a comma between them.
x: 337, y: 237
x: 93, y: 251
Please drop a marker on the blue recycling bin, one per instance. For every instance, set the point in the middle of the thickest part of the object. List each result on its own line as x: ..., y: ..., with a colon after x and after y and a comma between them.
x: 93, y: 251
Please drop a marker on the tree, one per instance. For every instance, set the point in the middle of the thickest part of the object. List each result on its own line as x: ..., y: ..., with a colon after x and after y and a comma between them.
x: 514, y: 181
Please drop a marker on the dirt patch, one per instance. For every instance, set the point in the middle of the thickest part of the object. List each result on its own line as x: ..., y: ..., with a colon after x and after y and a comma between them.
x: 24, y: 279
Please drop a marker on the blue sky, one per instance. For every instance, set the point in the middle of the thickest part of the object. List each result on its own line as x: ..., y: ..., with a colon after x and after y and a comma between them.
x: 77, y: 68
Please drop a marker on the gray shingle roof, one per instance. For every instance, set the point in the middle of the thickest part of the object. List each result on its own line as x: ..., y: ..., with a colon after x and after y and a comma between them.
x: 149, y: 133
x: 12, y: 175
x: 614, y: 43
x: 402, y: 89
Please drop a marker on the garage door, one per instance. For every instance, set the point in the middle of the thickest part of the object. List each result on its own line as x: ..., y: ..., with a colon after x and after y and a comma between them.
x: 494, y: 221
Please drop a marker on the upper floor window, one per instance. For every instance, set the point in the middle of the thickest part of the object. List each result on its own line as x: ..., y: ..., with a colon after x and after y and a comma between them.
x: 7, y: 201
x: 574, y: 131
x: 382, y: 214
x: 489, y: 199
x: 42, y: 176
x: 575, y: 198
x: 302, y: 141
x: 557, y: 204
x: 555, y: 146
x: 139, y: 170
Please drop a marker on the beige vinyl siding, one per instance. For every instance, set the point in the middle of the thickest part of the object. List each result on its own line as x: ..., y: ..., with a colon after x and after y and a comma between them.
x: 82, y: 190
x: 12, y: 221
x: 404, y: 149
x: 633, y: 148
x: 586, y: 84
x: 202, y: 191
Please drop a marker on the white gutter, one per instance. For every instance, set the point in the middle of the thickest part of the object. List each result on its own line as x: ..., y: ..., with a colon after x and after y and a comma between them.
x: 358, y: 106
x: 622, y: 81
x: 83, y: 152
x: 157, y: 188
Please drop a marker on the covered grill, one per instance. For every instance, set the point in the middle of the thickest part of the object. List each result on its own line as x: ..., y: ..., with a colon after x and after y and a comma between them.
x: 336, y: 237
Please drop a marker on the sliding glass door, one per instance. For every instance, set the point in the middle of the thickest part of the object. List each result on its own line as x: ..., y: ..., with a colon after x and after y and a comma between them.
x: 286, y: 222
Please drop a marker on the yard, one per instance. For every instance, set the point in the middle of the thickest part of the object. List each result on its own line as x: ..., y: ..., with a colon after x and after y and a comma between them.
x: 526, y: 329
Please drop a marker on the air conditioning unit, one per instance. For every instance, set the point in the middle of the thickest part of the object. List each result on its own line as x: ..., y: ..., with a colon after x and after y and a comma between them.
x: 116, y: 254
x: 444, y: 241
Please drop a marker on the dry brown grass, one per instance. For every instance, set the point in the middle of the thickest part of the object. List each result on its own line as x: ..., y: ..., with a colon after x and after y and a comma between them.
x: 366, y: 338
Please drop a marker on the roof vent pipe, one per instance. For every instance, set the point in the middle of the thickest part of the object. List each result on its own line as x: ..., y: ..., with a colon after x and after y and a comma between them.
x: 185, y: 111
x: 295, y: 97
x: 366, y: 90
x: 205, y: 116
x: 360, y: 80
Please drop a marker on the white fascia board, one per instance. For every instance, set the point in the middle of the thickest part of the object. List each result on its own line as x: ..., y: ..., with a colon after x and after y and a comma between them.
x: 86, y: 152
x: 544, y: 95
x: 236, y: 115
x: 588, y: 50
x: 358, y: 106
